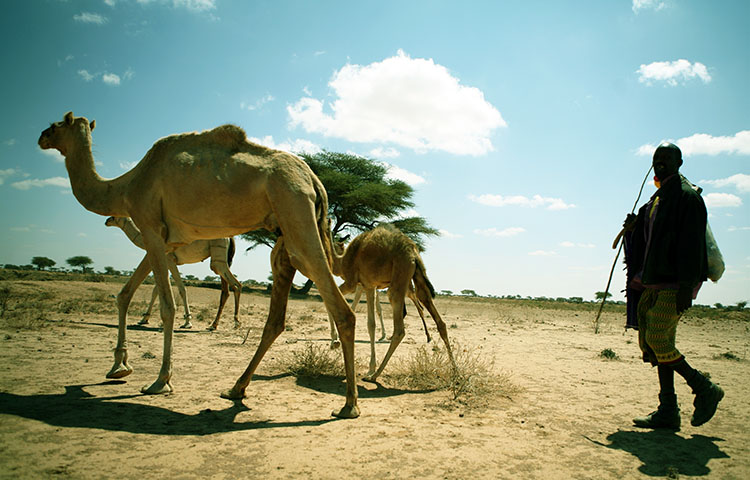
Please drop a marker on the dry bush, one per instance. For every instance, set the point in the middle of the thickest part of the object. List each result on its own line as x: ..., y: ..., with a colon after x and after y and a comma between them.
x: 314, y: 361
x: 473, y: 382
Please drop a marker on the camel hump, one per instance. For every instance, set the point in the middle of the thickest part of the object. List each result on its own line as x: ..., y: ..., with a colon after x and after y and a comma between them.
x: 230, y: 137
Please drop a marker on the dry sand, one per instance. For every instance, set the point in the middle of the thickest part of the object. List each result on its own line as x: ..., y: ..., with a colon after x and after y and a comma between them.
x: 569, y: 418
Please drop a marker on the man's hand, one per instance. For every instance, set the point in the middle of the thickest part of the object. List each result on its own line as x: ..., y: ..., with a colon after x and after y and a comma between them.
x: 684, y: 299
x: 629, y: 223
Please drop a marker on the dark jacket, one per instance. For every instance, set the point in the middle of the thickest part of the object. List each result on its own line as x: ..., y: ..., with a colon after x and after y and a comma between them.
x: 677, y: 252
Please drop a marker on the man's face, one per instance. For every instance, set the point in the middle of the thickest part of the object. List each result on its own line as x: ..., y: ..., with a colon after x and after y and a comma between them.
x: 665, y: 163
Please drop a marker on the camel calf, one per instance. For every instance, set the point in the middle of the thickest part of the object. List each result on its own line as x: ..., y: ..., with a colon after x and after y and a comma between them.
x: 386, y: 258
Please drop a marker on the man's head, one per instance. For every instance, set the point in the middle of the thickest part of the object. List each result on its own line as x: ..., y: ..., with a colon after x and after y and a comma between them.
x: 667, y: 160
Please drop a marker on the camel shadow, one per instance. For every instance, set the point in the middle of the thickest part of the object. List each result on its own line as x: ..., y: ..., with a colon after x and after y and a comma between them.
x: 143, y: 328
x: 77, y: 408
x: 665, y: 452
x: 337, y: 385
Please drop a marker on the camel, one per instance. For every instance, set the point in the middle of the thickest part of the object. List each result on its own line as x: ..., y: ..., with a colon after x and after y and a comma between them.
x: 385, y: 257
x: 220, y: 250
x: 201, y: 186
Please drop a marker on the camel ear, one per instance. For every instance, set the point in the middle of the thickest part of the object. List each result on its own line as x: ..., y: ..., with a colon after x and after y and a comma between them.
x: 92, y: 125
x: 68, y: 118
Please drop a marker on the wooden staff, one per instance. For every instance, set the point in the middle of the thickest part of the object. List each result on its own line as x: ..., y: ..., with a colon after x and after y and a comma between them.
x: 614, y: 245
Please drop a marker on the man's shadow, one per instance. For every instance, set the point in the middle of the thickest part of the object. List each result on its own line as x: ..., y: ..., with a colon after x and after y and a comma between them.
x: 77, y: 408
x: 665, y: 452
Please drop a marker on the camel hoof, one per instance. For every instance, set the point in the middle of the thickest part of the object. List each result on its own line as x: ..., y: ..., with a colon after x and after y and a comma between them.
x: 187, y: 325
x: 211, y: 328
x: 158, y: 388
x: 347, y: 412
x: 335, y: 344
x: 119, y: 371
x: 143, y: 321
x: 233, y: 394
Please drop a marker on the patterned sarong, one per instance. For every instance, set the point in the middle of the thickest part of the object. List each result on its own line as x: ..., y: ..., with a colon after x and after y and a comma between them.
x: 657, y: 322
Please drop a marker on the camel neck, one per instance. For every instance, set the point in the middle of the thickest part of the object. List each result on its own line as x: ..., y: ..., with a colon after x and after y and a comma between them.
x: 92, y: 191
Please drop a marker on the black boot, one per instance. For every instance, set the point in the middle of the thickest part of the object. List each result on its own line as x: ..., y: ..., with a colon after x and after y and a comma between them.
x: 707, y: 398
x: 667, y: 415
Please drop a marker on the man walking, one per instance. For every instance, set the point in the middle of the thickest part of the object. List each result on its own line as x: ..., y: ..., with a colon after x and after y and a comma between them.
x: 667, y: 256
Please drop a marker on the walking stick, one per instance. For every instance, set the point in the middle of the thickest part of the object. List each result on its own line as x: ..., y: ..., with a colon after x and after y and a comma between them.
x: 614, y: 245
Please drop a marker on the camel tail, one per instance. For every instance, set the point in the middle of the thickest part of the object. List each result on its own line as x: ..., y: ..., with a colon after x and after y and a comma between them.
x: 230, y: 251
x: 420, y: 278
x: 321, y: 216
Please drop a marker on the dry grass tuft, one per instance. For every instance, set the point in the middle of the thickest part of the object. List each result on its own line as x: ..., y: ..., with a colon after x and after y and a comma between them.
x: 315, y: 361
x: 473, y: 382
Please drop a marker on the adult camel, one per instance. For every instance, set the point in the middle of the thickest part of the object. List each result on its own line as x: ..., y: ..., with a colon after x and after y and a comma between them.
x: 221, y: 252
x: 210, y: 185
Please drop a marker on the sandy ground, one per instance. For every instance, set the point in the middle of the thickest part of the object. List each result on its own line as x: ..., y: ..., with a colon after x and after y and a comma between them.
x: 570, y: 417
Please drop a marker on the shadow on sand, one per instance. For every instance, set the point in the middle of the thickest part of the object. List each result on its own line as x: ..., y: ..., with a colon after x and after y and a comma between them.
x: 77, y: 408
x: 666, y: 453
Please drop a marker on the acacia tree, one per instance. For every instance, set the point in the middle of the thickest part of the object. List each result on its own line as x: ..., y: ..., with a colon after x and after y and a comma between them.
x: 79, y: 261
x: 42, y: 262
x: 360, y: 197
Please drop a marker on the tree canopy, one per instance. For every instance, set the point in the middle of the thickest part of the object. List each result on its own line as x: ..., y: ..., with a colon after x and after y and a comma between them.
x: 360, y: 197
x: 42, y: 262
x: 79, y: 261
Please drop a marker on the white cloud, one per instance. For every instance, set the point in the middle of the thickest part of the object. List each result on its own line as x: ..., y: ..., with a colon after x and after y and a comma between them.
x: 88, y: 17
x: 293, y: 146
x: 111, y: 79
x: 740, y: 181
x: 411, y: 102
x: 54, y: 155
x: 719, y: 200
x: 46, y: 182
x: 521, y: 201
x: 192, y: 5
x: 447, y: 234
x: 7, y: 173
x: 704, y: 144
x: 738, y: 229
x: 673, y: 73
x: 381, y: 152
x: 494, y: 232
x: 543, y: 253
x: 639, y: 5
x: 577, y: 245
x: 258, y: 103
x: 9, y: 142
x: 398, y: 173
x: 86, y: 75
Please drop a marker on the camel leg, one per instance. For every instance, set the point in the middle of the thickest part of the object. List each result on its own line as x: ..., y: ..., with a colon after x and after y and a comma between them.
x: 156, y: 247
x: 283, y: 274
x: 222, y: 302
x: 357, y: 296
x: 172, y: 266
x: 371, y: 296
x: 334, y: 333
x: 218, y: 250
x: 424, y: 296
x: 121, y: 368
x: 396, y: 295
x: 379, y: 309
x: 410, y: 293
x: 147, y: 314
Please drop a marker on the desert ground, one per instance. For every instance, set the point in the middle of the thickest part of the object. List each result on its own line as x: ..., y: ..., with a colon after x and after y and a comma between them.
x: 561, y: 408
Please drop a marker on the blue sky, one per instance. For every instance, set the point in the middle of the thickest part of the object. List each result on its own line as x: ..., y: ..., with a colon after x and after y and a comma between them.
x: 525, y: 128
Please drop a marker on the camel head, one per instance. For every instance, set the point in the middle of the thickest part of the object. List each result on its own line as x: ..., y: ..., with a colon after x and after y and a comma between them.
x: 63, y: 135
